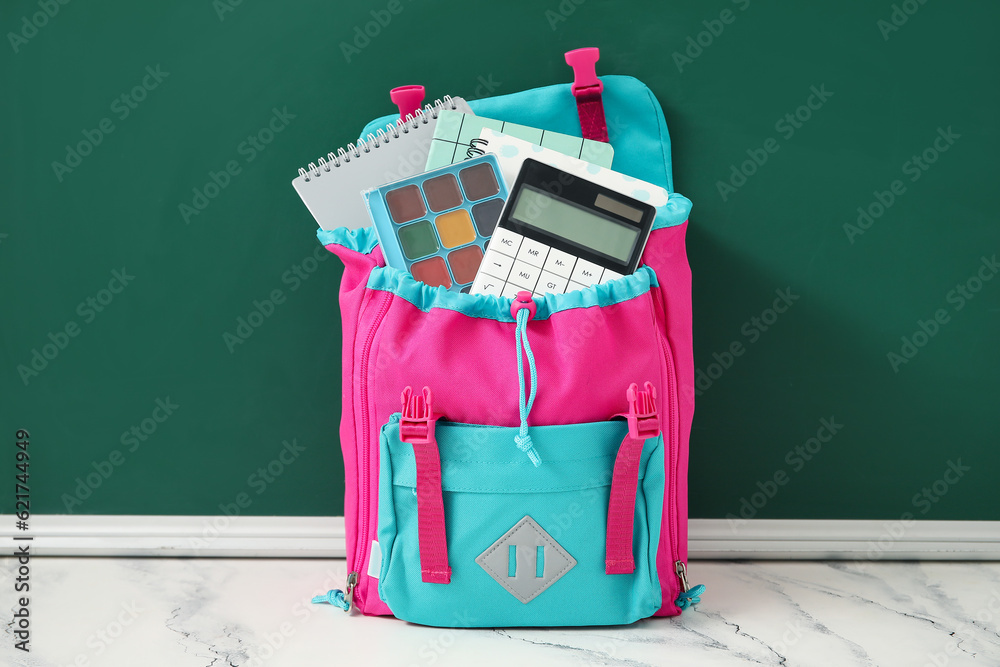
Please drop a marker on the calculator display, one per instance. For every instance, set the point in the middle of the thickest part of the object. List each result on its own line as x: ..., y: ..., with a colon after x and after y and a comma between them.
x: 575, y: 224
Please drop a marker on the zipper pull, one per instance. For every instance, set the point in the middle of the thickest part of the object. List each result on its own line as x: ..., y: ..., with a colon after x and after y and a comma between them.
x: 337, y: 597
x: 352, y: 581
x: 689, y: 596
x: 681, y: 571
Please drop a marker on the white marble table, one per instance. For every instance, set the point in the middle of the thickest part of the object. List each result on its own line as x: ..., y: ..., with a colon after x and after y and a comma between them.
x: 245, y: 612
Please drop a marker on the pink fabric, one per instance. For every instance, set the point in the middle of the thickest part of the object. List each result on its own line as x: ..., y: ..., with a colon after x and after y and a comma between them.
x: 621, y: 507
x: 417, y: 427
x: 430, y: 514
x: 666, y: 254
x: 585, y: 359
x: 591, y: 110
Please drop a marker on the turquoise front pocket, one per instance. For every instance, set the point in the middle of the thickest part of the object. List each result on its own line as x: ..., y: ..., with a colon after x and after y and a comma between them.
x: 526, y: 545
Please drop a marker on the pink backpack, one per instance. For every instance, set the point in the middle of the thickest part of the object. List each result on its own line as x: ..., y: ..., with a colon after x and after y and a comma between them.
x: 522, y: 462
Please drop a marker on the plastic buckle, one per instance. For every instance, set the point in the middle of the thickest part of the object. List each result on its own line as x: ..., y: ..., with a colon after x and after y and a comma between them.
x: 584, y: 64
x: 643, y: 418
x: 523, y: 301
x: 408, y: 99
x: 417, y: 422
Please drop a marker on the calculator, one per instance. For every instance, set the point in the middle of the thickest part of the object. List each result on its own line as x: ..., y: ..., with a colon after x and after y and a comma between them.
x: 559, y: 232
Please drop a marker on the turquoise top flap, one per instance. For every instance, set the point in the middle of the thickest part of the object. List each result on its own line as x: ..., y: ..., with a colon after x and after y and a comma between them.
x: 636, y: 127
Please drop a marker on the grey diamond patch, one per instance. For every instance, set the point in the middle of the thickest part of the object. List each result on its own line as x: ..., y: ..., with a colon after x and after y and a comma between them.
x: 526, y: 560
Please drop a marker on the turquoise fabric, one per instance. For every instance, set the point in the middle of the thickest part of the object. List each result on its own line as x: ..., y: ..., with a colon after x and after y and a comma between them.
x: 636, y: 127
x: 488, y: 486
x: 361, y: 240
x: 424, y: 297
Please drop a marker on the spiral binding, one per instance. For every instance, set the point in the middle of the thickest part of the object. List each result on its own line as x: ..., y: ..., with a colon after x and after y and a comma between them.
x: 373, y: 141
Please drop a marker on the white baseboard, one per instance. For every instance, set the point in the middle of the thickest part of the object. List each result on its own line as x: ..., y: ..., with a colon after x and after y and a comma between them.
x: 176, y: 536
x: 794, y: 539
x: 323, y: 537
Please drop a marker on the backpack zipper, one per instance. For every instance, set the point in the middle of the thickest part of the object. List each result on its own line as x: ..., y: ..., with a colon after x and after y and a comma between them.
x: 363, y: 490
x: 679, y: 566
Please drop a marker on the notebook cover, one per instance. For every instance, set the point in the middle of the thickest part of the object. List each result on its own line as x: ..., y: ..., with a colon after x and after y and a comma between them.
x: 333, y: 193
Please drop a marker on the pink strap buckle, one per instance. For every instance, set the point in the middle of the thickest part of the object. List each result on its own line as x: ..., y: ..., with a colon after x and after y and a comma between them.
x: 408, y: 99
x: 643, y: 418
x: 643, y: 422
x: 584, y: 64
x: 417, y: 428
x: 417, y: 422
x: 587, y: 89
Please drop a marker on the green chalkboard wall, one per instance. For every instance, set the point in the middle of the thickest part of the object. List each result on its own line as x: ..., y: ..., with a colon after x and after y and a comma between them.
x: 170, y: 336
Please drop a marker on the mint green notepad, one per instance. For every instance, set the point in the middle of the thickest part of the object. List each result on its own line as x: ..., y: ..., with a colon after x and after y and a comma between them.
x: 456, y: 138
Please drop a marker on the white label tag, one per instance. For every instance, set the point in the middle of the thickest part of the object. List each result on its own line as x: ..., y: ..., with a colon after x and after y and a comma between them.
x: 375, y: 561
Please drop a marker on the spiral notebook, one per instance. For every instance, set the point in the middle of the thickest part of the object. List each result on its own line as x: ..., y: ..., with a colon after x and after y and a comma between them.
x: 331, y: 187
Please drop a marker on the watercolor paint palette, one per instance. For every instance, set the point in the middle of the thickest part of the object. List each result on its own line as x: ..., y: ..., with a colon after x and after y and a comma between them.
x: 436, y: 225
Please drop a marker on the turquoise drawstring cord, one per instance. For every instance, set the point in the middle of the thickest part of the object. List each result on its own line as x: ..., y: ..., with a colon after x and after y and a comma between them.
x: 334, y: 597
x: 690, y: 597
x: 523, y: 440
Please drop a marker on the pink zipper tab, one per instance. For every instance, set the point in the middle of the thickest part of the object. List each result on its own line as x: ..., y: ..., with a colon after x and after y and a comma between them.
x: 416, y: 426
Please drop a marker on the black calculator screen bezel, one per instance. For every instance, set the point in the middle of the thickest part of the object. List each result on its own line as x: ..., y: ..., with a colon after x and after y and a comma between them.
x: 575, y: 189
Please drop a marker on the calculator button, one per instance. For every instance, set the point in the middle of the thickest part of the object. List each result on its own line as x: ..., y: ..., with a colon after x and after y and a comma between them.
x: 487, y: 284
x: 511, y: 290
x: 533, y: 252
x: 586, y: 272
x: 559, y: 263
x: 505, y: 241
x: 524, y: 275
x: 550, y: 283
x: 575, y: 286
x: 496, y: 264
x: 610, y: 275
